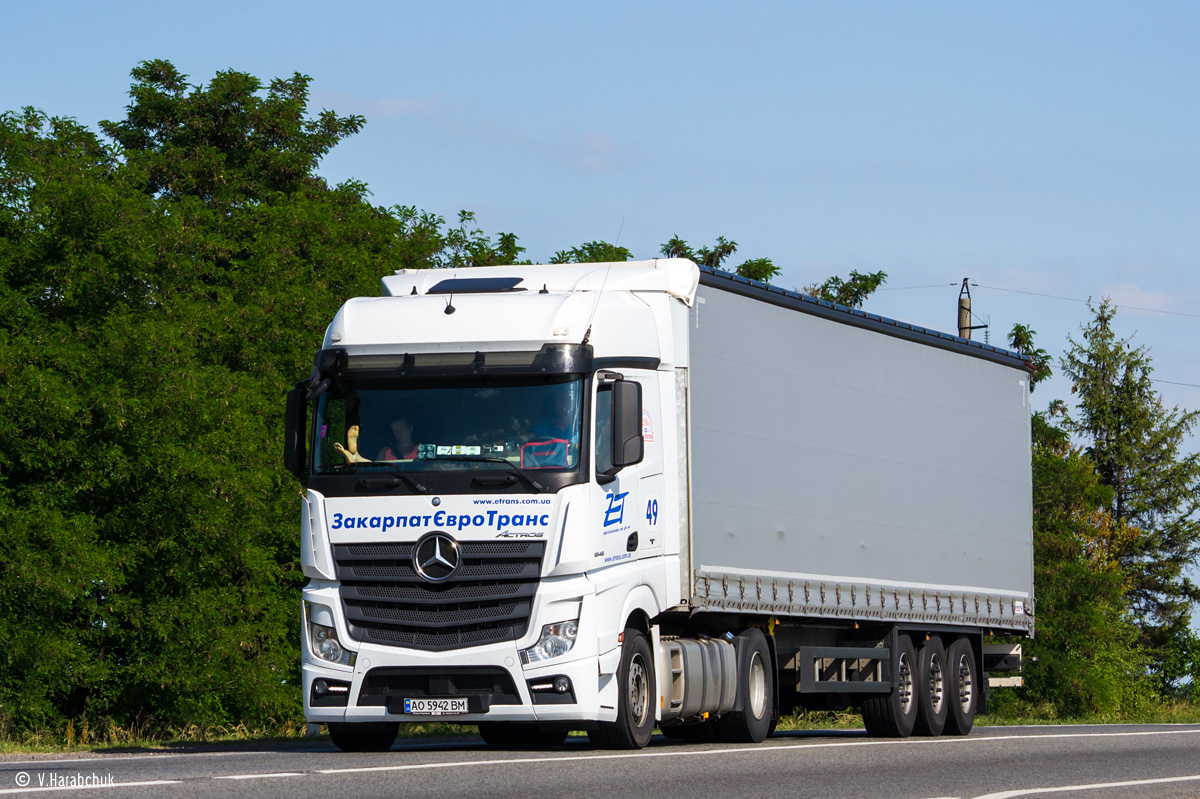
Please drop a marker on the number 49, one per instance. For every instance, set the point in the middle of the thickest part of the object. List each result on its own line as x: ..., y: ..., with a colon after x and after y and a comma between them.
x: 652, y: 511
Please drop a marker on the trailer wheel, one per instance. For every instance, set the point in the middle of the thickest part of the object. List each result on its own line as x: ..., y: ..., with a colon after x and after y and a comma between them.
x: 373, y: 737
x: 635, y: 697
x: 964, y: 687
x: 510, y: 735
x: 933, y: 683
x: 756, y: 690
x: 895, y: 715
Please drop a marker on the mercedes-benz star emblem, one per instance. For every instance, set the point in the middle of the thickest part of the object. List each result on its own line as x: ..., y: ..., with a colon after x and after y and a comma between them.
x: 436, y: 557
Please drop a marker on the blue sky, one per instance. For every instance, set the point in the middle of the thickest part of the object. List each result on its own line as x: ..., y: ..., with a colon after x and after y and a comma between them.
x: 1033, y: 147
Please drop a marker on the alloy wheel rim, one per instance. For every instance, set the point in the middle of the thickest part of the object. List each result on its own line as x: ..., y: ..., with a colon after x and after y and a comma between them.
x: 966, y: 687
x: 937, y: 684
x: 638, y: 690
x: 904, y: 683
x: 758, y: 686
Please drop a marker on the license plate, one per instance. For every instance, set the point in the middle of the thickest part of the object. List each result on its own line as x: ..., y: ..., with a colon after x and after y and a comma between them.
x: 435, y: 707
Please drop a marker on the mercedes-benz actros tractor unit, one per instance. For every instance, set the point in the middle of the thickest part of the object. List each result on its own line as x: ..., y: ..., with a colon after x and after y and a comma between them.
x: 610, y: 497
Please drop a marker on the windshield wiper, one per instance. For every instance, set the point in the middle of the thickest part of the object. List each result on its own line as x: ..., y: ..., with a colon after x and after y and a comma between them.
x: 395, y: 478
x: 484, y: 459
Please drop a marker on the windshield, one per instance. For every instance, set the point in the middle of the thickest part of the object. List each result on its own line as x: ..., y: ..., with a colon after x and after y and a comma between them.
x: 532, y: 422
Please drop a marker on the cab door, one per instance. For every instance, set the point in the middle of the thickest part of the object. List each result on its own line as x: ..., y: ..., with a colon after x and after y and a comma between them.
x: 628, y: 524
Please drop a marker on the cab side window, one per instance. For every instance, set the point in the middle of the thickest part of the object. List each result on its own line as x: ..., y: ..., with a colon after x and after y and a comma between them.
x: 603, y: 440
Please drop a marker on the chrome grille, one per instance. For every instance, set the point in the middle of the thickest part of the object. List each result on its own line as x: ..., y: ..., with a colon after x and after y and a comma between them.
x: 487, y: 600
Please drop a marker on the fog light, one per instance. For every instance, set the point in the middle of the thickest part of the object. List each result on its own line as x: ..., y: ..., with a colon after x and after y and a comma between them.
x: 329, y: 693
x: 556, y: 690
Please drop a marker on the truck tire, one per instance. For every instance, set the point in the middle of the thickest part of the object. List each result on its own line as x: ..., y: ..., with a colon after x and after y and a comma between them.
x: 895, y: 715
x: 636, y: 694
x: 932, y: 688
x: 963, y: 688
x: 373, y: 737
x: 756, y: 690
x: 510, y: 735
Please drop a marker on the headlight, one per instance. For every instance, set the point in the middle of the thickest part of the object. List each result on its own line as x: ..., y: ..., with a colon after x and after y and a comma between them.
x: 556, y: 640
x: 323, y: 642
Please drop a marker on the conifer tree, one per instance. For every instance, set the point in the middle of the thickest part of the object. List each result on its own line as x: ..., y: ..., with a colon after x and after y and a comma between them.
x: 1136, y: 445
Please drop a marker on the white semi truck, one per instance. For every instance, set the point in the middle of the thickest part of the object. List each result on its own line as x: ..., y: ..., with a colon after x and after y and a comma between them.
x: 606, y: 497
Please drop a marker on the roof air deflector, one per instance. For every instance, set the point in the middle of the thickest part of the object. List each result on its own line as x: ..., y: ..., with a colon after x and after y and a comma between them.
x: 476, y: 285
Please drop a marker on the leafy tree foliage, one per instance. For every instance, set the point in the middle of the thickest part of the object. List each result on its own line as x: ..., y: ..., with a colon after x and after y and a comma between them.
x: 1135, y: 444
x: 852, y: 293
x: 1087, y: 655
x: 761, y: 269
x: 159, y: 293
x: 1038, y: 360
x: 592, y: 252
x: 1088, y: 659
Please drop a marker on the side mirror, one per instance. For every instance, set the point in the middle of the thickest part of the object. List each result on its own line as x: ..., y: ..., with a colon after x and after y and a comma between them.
x: 627, y: 445
x: 295, y: 432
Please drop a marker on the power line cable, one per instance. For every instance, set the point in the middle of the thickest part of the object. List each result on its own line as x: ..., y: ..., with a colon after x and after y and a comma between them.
x: 1056, y: 297
x: 1172, y: 382
x: 910, y: 288
x: 1076, y: 299
x: 1040, y: 294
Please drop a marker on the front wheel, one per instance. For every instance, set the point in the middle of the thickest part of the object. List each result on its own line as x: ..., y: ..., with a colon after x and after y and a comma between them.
x: 756, y: 688
x: 635, y: 697
x: 373, y: 737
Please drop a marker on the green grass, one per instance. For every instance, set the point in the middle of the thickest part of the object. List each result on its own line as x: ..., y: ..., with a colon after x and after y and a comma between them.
x: 83, y: 737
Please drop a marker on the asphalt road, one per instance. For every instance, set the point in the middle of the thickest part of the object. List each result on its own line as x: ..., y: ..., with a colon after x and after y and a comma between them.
x: 1000, y: 762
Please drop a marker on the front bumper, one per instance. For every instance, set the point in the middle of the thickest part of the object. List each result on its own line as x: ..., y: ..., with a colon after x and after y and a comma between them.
x: 492, y: 678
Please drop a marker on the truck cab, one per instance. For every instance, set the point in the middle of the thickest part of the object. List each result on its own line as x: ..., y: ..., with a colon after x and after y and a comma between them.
x: 486, y: 507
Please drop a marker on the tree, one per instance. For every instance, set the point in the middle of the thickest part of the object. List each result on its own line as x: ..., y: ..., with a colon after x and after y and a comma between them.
x: 159, y: 293
x: 1085, y: 658
x: 761, y: 269
x: 852, y: 293
x: 592, y: 252
x: 1038, y: 360
x: 1135, y: 444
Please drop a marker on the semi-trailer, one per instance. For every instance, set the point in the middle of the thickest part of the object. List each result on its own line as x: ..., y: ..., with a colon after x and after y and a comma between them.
x: 610, y: 497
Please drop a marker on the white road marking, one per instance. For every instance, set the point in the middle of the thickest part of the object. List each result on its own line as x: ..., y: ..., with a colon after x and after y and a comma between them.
x: 968, y: 739
x: 744, y: 750
x: 656, y: 753
x: 97, y: 787
x: 565, y: 758
x: 102, y: 757
x: 1093, y: 787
